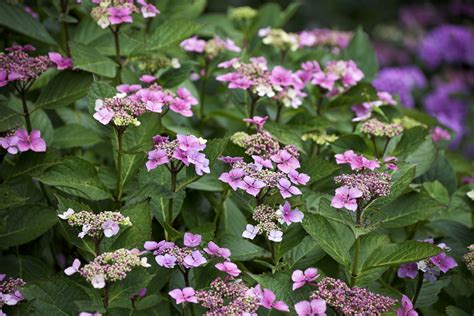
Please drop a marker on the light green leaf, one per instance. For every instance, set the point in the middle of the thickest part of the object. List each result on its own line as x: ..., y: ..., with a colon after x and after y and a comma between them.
x: 66, y: 88
x: 75, y: 135
x: 25, y: 224
x: 76, y: 176
x: 16, y: 19
x: 399, y: 253
x: 89, y: 59
x: 171, y: 32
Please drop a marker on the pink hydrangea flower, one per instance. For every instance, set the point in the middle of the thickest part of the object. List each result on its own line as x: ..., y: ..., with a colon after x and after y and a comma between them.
x: 257, y: 120
x: 261, y: 162
x: 32, y: 142
x: 120, y: 15
x: 438, y: 134
x: 300, y: 278
x: 192, y: 240
x: 182, y: 107
x: 251, y: 186
x: 60, y: 61
x: 110, y: 228
x: 250, y: 231
x: 233, y: 177
x: 186, y: 295
x: 128, y: 88
x: 269, y: 301
x: 287, y: 189
x: 298, y: 178
x: 316, y: 307
x: 195, y: 259
x: 228, y: 267
x: 281, y: 77
x: 156, y: 158
x: 408, y: 270
x: 346, y: 197
x: 148, y: 79
x: 288, y: 215
x: 214, y: 250
x: 148, y: 10
x: 444, y: 262
x: 103, y: 114
x: 193, y: 44
x: 10, y: 143
x: 406, y: 308
x: 167, y: 261
x: 285, y: 161
x: 76, y: 264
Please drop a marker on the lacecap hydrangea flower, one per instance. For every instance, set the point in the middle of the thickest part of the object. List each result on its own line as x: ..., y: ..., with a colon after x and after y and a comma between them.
x: 10, y: 291
x: 210, y: 48
x: 321, y: 37
x: 183, y: 151
x: 118, y: 12
x: 95, y: 225
x: 109, y: 267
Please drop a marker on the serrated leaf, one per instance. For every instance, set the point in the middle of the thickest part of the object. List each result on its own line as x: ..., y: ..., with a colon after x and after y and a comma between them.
x: 89, y: 59
x: 9, y: 118
x: 16, y: 19
x: 76, y: 176
x: 140, y: 231
x: 399, y: 253
x: 171, y: 32
x: 361, y: 51
x: 336, y: 239
x: 64, y: 89
x: 10, y: 198
x: 25, y: 224
x: 242, y: 249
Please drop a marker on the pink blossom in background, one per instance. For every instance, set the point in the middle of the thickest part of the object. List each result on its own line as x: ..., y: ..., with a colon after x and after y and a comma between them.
x: 192, y: 240
x: 214, y: 250
x: 316, y: 307
x: 148, y: 79
x: 438, y: 134
x: 193, y: 44
x: 228, y: 267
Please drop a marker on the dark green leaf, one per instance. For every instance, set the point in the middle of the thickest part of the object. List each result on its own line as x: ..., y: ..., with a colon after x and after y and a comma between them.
x: 89, y: 59
x: 140, y: 231
x: 361, y: 51
x: 9, y: 197
x: 171, y: 32
x: 74, y: 135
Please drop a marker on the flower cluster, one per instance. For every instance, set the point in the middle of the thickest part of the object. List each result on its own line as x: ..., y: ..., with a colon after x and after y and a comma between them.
x: 401, y: 81
x: 280, y: 84
x: 279, y: 39
x: 431, y: 267
x: 184, y: 150
x: 168, y: 254
x: 96, y: 225
x: 20, y: 141
x: 109, y: 266
x: 10, y: 291
x: 272, y: 166
x: 120, y: 11
x: 230, y: 296
x: 16, y: 65
x: 321, y: 138
x: 335, y: 40
x: 211, y: 48
x: 375, y: 127
x: 362, y: 184
x: 364, y: 111
x: 469, y: 258
x: 449, y: 44
x: 350, y: 301
x: 269, y: 221
x: 122, y: 110
x: 336, y: 77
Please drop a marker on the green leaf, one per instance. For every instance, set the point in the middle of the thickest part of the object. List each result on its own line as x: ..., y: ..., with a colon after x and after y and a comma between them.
x: 306, y: 253
x: 430, y: 291
x: 399, y: 253
x: 9, y: 119
x: 89, y: 59
x: 280, y: 284
x: 66, y: 88
x: 285, y: 134
x: 76, y: 176
x: 362, y: 92
x: 350, y: 142
x: 232, y: 221
x: 140, y: 231
x: 242, y: 249
x: 171, y: 32
x: 75, y: 135
x: 99, y: 90
x: 361, y: 51
x: 173, y: 77
x: 9, y: 197
x: 335, y: 239
x: 442, y: 171
x: 121, y: 291
x: 16, y: 19
x: 406, y: 210
x: 318, y: 168
x: 55, y: 296
x: 30, y: 163
x: 368, y: 245
x: 455, y: 311
x: 437, y: 191
x: 25, y: 224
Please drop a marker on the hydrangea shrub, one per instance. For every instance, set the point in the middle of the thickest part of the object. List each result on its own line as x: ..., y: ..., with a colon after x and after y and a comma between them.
x: 156, y: 159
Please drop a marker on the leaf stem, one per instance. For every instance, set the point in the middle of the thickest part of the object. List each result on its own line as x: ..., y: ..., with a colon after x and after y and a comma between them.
x: 376, y: 152
x: 118, y: 186
x: 419, y: 286
x: 253, y: 104
x: 115, y: 32
x: 280, y: 107
x: 174, y: 174
x: 355, y: 263
x: 202, y: 90
x: 26, y: 113
x: 385, y: 147
x: 106, y: 299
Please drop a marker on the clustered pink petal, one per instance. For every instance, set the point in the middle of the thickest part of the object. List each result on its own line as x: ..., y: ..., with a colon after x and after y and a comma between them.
x: 21, y: 141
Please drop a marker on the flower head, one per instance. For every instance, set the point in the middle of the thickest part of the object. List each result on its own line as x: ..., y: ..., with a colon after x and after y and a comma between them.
x: 186, y: 295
